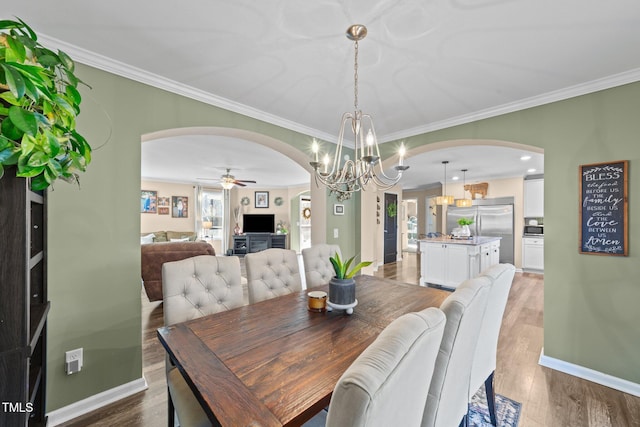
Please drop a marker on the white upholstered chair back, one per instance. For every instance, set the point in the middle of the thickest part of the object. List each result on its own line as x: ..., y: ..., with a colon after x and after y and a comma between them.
x: 272, y: 273
x: 318, y: 270
x: 200, y: 285
x: 449, y: 390
x: 484, y: 362
x: 388, y: 383
x: 192, y: 288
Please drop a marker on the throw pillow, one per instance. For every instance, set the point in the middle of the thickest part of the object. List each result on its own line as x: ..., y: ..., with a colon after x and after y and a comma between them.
x: 186, y: 239
x: 147, y: 239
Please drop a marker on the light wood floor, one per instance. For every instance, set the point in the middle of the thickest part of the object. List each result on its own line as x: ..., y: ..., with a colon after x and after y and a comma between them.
x: 549, y: 398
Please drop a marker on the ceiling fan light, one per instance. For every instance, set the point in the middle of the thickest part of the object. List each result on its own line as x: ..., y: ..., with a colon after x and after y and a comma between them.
x: 227, y: 185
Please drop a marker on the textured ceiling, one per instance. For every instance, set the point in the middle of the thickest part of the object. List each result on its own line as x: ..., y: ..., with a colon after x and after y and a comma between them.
x: 424, y: 65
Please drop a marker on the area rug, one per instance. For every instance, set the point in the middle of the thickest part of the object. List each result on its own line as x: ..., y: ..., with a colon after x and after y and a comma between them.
x: 508, y: 411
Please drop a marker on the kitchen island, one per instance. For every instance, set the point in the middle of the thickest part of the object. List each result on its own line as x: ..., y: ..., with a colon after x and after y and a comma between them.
x: 447, y: 261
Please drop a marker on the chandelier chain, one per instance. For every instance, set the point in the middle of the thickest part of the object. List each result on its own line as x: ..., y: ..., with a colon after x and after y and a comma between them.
x: 355, y: 77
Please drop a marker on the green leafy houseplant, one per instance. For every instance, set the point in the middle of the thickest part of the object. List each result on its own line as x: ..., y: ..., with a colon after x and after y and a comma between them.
x: 39, y: 103
x: 342, y: 268
x: 465, y: 221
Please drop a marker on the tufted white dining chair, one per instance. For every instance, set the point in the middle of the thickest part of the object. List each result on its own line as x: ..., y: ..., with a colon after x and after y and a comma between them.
x: 446, y: 404
x: 318, y: 270
x: 388, y: 383
x: 272, y: 273
x: 192, y: 288
x: 484, y: 362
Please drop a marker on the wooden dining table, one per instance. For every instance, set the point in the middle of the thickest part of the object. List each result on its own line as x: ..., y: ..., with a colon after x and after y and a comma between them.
x: 275, y: 363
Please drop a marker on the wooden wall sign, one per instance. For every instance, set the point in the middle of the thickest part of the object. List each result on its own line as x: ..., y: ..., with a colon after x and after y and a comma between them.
x: 603, y: 208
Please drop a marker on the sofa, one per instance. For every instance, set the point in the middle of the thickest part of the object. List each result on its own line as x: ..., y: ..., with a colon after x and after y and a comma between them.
x: 168, y: 236
x: 153, y: 255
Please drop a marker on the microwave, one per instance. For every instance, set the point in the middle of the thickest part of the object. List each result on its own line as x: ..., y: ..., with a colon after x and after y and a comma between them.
x: 534, y: 230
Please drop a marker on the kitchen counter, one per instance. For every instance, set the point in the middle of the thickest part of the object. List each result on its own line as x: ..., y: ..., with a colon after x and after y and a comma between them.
x: 447, y: 262
x: 473, y: 241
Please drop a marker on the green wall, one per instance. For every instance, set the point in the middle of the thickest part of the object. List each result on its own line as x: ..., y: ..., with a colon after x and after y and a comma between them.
x: 591, y: 316
x: 348, y: 233
x: 94, y: 246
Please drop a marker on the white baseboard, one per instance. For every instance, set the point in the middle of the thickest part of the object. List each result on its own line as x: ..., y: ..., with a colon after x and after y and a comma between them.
x: 590, y: 375
x: 96, y: 401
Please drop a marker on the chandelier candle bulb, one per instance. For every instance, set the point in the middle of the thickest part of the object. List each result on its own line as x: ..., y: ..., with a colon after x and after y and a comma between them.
x: 314, y: 148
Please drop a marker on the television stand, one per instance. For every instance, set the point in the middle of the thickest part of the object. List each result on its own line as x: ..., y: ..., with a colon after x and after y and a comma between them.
x: 255, y: 242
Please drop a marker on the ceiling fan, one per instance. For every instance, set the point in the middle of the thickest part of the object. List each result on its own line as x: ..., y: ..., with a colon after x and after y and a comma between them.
x: 228, y: 181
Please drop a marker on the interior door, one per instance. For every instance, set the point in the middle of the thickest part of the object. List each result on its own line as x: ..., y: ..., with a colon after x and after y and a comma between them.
x: 391, y: 213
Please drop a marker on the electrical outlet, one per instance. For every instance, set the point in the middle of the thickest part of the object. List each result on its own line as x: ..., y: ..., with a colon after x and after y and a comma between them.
x: 335, y: 233
x: 73, y: 361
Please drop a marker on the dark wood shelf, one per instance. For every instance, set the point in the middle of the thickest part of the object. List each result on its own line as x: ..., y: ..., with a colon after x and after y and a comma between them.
x: 256, y: 242
x: 38, y: 319
x: 35, y: 377
x: 24, y: 304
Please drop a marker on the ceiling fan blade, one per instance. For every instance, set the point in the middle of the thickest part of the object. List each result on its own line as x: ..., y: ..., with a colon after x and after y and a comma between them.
x: 239, y: 184
x: 245, y: 180
x: 209, y: 179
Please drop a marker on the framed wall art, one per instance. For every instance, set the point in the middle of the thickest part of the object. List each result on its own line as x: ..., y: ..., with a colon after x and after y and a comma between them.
x: 603, y: 214
x: 179, y: 207
x: 164, y: 205
x: 338, y: 209
x: 148, y: 201
x: 262, y: 199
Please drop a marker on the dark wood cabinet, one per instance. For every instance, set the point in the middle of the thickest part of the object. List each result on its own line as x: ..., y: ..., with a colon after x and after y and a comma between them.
x: 256, y: 242
x: 23, y: 302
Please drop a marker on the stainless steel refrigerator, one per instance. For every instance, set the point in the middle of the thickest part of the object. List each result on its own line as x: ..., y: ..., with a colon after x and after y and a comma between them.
x: 491, y: 217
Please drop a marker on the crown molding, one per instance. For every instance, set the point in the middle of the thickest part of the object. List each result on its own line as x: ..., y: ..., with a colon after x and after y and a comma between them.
x: 124, y: 70
x: 113, y: 66
x: 627, y: 77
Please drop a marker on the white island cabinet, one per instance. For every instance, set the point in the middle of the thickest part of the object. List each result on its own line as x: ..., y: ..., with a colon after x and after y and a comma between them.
x: 448, y: 262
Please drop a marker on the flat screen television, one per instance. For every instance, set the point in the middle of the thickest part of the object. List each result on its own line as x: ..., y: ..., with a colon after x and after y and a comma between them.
x: 258, y: 223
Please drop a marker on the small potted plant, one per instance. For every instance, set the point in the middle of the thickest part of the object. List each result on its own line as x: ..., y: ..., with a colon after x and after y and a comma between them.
x: 342, y: 287
x: 464, y: 224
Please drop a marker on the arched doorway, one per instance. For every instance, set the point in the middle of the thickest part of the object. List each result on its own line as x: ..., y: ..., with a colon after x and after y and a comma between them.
x: 201, y: 155
x: 504, y: 181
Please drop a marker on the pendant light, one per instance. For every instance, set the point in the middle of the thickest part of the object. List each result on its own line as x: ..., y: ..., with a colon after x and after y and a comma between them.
x: 444, y: 199
x: 464, y: 202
